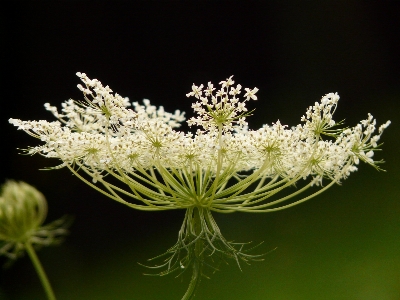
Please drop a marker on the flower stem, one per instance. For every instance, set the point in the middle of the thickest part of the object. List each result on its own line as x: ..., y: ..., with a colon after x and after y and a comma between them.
x: 40, y: 271
x: 197, y: 260
x: 194, y: 281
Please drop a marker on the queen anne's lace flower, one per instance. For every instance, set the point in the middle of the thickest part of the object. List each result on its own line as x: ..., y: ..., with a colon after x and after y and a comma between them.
x: 223, y: 167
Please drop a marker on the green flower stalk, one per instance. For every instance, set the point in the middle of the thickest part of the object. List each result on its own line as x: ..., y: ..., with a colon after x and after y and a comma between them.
x: 23, y: 209
x: 223, y: 167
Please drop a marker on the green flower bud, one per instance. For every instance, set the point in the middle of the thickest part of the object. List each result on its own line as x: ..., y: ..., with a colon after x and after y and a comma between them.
x: 23, y: 210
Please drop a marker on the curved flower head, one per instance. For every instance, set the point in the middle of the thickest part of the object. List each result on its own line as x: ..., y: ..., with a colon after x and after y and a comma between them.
x: 223, y: 167
x: 222, y: 111
x: 319, y: 118
x: 23, y: 210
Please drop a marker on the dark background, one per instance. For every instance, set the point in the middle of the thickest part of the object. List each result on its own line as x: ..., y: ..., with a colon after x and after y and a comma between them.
x: 343, y: 244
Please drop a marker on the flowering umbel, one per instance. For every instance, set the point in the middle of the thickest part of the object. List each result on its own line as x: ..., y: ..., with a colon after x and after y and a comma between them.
x: 222, y: 167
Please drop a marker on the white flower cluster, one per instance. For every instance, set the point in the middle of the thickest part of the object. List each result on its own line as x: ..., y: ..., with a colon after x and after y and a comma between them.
x: 223, y: 109
x: 223, y: 166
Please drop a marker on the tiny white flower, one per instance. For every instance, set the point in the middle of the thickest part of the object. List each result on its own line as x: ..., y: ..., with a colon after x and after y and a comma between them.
x: 228, y: 82
x: 196, y: 91
x: 250, y: 94
x: 209, y: 90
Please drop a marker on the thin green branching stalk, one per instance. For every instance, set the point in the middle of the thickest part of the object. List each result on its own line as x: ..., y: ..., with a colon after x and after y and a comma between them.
x: 40, y: 271
x: 197, y: 264
x: 194, y: 280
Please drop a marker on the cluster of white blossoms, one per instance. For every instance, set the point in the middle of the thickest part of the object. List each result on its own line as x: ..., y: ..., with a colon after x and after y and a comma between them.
x: 223, y: 166
x: 166, y: 168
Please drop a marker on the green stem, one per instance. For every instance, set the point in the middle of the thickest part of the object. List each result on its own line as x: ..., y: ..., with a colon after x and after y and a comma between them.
x: 40, y: 271
x: 197, y: 264
x: 194, y: 281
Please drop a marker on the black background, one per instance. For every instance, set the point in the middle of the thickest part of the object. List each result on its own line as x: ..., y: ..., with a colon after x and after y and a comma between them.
x: 294, y: 53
